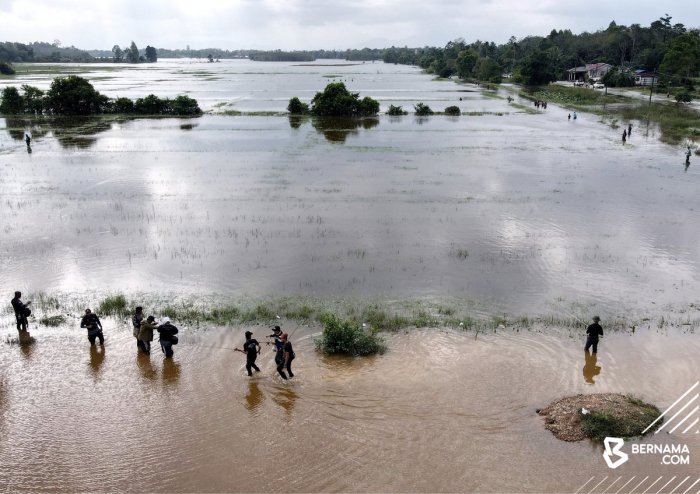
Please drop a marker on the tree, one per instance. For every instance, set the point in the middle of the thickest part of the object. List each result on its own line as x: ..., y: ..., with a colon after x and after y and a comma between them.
x: 423, y: 110
x: 74, y: 95
x: 118, y: 54
x: 487, y: 69
x: 33, y: 99
x: 132, y: 53
x: 337, y: 101
x: 11, y: 101
x: 184, y: 105
x: 151, y: 54
x: 6, y: 68
x: 536, y: 70
x: 296, y: 107
x: 683, y: 57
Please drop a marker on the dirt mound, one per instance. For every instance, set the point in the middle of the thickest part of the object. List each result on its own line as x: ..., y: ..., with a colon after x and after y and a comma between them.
x: 606, y: 414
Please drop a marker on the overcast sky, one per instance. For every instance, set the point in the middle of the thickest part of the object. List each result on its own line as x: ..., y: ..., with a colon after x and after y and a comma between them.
x: 313, y: 24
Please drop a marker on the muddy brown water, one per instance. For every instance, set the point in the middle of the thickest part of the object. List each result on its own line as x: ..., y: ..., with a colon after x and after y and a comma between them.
x: 442, y: 411
x: 506, y: 212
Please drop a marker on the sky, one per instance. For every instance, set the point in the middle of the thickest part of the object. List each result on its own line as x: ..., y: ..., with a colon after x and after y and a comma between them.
x: 316, y: 24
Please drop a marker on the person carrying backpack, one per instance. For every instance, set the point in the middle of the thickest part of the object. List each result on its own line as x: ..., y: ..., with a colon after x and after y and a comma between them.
x: 167, y: 337
x: 22, y: 311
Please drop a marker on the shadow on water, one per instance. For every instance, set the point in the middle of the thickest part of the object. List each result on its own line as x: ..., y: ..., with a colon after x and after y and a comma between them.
x: 591, y: 368
x: 335, y: 129
x: 286, y: 398
x: 143, y: 362
x: 97, y: 358
x: 254, y: 397
x: 171, y: 372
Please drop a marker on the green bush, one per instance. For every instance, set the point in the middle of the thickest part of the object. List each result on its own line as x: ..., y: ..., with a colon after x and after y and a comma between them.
x: 297, y: 107
x: 396, y: 111
x: 184, y: 105
x: 6, y: 68
x: 684, y: 97
x: 423, y: 110
x: 337, y: 101
x: 73, y: 95
x: 453, y: 110
x: 347, y: 338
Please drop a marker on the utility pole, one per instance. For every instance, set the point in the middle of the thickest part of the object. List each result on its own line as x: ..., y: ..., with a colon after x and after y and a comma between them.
x: 653, y: 76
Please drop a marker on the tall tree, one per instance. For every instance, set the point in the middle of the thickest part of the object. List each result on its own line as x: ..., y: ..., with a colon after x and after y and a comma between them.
x: 151, y: 55
x: 118, y: 53
x: 132, y: 54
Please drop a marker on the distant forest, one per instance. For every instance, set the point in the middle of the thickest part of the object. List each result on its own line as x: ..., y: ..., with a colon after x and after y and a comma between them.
x: 663, y: 46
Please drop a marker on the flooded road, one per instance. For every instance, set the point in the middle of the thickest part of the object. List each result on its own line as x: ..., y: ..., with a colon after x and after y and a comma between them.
x: 440, y: 412
x: 498, y: 211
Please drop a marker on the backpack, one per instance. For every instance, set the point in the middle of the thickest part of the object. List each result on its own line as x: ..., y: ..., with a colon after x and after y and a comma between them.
x: 26, y: 312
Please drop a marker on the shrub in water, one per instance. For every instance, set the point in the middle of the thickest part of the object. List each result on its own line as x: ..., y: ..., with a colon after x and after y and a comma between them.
x: 347, y: 338
x: 396, y: 110
x: 423, y: 110
x: 297, y: 107
x: 453, y: 110
x: 114, y: 305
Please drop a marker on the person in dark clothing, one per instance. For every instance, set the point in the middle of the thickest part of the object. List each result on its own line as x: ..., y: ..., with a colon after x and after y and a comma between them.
x: 21, y: 311
x: 594, y: 331
x: 136, y: 322
x: 93, y: 325
x: 279, y: 346
x: 287, y: 357
x: 28, y: 140
x: 167, y: 337
x: 624, y: 136
x: 629, y: 130
x: 251, y: 348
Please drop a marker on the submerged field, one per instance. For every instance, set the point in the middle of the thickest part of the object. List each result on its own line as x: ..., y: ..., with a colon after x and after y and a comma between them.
x: 497, y: 234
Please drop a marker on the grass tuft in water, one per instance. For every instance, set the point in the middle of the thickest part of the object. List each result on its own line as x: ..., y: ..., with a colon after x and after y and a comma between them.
x: 53, y: 321
x: 600, y: 424
x: 113, y: 305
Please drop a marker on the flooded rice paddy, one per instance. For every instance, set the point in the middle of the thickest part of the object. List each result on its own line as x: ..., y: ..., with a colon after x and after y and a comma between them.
x: 501, y: 209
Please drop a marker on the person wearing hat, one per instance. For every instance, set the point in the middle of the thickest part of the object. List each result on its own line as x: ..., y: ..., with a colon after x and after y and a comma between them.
x: 167, y: 337
x: 145, y: 336
x: 276, y: 334
x: 251, y: 348
x: 594, y: 331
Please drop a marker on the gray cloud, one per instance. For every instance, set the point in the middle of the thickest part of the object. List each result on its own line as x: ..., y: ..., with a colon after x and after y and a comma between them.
x: 309, y: 24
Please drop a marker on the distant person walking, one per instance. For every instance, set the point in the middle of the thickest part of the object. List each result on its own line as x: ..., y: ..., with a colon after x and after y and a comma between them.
x: 629, y: 130
x: 167, y: 337
x: 28, y: 140
x: 569, y: 116
x: 92, y: 323
x: 21, y: 311
x: 145, y: 336
x: 251, y: 348
x: 136, y: 323
x: 287, y: 357
x: 574, y: 115
x: 594, y: 331
x: 688, y: 153
x: 624, y: 136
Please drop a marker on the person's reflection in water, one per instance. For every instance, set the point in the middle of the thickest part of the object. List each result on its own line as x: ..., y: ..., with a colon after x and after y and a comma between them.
x: 591, y: 369
x: 171, y: 371
x: 254, y: 397
x: 97, y: 358
x: 286, y: 398
x: 143, y: 361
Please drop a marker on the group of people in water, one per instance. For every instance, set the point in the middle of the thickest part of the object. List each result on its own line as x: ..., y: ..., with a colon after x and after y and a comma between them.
x: 144, y: 329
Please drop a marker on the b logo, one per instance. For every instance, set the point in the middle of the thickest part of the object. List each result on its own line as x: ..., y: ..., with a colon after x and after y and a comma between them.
x: 616, y: 443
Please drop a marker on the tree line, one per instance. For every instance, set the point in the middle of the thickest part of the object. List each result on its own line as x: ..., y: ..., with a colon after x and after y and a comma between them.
x: 53, y: 52
x: 74, y: 95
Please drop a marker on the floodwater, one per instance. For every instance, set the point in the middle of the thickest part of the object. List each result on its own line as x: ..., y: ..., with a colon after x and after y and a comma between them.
x: 516, y: 212
x: 440, y: 412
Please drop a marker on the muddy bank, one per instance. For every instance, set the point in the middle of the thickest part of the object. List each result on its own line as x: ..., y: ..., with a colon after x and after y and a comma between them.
x: 596, y: 416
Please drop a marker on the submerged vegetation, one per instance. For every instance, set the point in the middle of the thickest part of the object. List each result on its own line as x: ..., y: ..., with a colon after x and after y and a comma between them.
x: 75, y: 96
x: 335, y: 101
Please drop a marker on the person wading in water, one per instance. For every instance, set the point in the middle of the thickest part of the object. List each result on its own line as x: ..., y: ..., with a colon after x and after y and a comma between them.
x: 594, y: 331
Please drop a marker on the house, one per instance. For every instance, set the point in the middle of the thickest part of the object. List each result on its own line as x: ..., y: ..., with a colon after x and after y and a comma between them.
x: 591, y: 71
x: 645, y: 77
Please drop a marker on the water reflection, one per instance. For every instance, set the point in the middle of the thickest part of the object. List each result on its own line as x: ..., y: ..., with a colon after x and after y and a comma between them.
x: 171, y: 371
x: 591, y: 369
x: 286, y: 398
x: 143, y: 362
x: 97, y: 358
x: 254, y: 397
x: 338, y: 129
x: 27, y: 349
x: 73, y: 132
